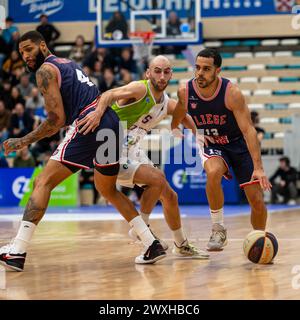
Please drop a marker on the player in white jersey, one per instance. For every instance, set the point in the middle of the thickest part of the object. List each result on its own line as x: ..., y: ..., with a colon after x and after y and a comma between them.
x: 143, y: 104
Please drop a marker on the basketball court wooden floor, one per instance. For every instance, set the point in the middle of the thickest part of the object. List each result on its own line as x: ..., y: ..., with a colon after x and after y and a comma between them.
x: 95, y: 260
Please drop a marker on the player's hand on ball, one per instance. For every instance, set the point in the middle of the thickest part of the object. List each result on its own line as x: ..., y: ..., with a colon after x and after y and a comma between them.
x: 259, y: 174
x: 90, y: 122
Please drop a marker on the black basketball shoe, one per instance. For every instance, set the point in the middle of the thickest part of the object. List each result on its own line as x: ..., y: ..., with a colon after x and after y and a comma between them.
x: 151, y: 254
x: 133, y: 235
x: 12, y: 261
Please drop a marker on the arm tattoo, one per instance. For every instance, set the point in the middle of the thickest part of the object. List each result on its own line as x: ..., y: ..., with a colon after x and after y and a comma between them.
x: 46, y: 129
x: 43, y: 76
x: 53, y: 105
x: 33, y: 213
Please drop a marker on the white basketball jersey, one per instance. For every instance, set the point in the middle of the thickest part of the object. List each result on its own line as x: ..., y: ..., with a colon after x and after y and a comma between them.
x: 148, y: 121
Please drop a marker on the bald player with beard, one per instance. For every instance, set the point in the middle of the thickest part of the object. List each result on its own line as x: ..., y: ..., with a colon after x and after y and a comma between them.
x: 142, y: 105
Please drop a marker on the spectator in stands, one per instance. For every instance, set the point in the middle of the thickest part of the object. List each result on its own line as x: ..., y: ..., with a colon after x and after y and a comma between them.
x: 21, y: 122
x: 4, y: 121
x: 97, y: 70
x: 24, y: 159
x: 13, y: 67
x: 173, y: 24
x: 16, y: 97
x: 173, y: 30
x: 4, y: 51
x: 35, y: 101
x: 255, y: 120
x: 108, y: 80
x: 191, y: 22
x: 10, y: 34
x: 117, y: 27
x: 127, y: 63
x: 287, y: 184
x: 125, y: 78
x: 100, y: 54
x: 49, y: 32
x: 25, y: 86
x: 5, y: 94
x: 78, y: 51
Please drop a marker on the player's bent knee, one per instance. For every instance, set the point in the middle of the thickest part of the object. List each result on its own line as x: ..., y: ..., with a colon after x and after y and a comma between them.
x: 169, y: 194
x: 214, y: 174
x: 42, y: 182
x: 154, y: 178
x: 159, y: 179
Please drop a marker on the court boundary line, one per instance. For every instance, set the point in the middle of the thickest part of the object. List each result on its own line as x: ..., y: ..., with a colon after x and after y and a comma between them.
x: 115, y: 216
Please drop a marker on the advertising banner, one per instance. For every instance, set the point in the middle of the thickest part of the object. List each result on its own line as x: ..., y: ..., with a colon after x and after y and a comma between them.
x: 16, y: 187
x: 85, y: 10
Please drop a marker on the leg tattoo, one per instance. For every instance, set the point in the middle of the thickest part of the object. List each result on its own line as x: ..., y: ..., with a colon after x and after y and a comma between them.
x: 33, y: 213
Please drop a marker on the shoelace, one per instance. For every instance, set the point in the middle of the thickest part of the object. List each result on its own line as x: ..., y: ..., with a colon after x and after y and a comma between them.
x: 217, y: 236
x: 190, y: 248
x: 6, y: 248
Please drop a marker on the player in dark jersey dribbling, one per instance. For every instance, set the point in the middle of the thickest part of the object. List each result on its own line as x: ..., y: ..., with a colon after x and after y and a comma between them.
x: 69, y: 96
x: 218, y: 108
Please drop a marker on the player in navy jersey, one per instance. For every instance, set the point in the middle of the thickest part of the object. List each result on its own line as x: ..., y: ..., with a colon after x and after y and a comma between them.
x: 219, y: 109
x: 69, y: 96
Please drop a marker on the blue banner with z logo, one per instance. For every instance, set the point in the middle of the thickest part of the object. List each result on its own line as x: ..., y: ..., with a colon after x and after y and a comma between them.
x: 13, y: 185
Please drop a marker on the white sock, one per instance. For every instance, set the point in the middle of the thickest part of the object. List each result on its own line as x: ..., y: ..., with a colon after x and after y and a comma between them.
x: 140, y: 227
x: 145, y: 217
x: 217, y: 216
x: 23, y: 237
x: 179, y: 237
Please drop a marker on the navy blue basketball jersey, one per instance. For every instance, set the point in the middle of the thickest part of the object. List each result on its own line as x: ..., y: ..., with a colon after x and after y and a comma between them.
x: 76, y: 89
x: 211, y: 114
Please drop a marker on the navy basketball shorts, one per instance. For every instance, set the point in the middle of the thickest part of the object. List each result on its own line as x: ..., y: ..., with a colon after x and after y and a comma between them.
x: 100, y: 149
x: 236, y: 156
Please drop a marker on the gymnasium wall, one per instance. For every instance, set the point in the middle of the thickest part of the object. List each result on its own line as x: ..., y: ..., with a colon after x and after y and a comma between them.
x: 213, y: 28
x: 221, y: 18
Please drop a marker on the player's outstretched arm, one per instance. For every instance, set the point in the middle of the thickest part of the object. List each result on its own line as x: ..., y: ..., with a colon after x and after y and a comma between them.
x: 47, y: 82
x: 189, y: 123
x: 180, y: 109
x: 134, y: 90
x: 237, y: 104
